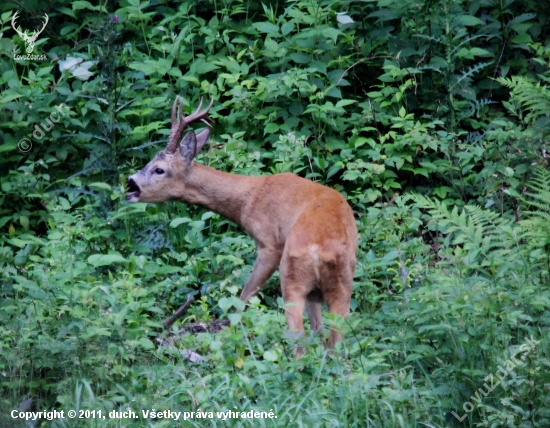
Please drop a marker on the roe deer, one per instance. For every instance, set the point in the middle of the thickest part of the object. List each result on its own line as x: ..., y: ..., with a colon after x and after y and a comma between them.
x: 305, y: 229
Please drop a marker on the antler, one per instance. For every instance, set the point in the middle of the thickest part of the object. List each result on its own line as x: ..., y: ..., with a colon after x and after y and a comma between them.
x: 35, y: 35
x: 35, y: 32
x: 13, y: 19
x: 179, y: 126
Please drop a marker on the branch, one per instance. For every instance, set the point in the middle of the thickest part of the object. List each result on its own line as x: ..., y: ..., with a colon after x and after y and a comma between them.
x: 179, y: 313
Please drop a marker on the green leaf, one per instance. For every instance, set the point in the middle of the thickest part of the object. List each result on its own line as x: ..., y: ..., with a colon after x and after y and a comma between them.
x: 215, y: 345
x: 7, y: 98
x: 5, y: 147
x: 521, y: 18
x: 100, y: 185
x: 522, y: 39
x: 342, y: 18
x: 207, y: 215
x: 343, y: 103
x: 67, y: 11
x: 65, y: 204
x: 266, y: 27
x: 105, y: 259
x: 287, y: 27
x: 300, y: 58
x: 77, y: 5
x: 238, y: 304
x: 4, y: 220
x: 373, y: 195
x: 68, y: 28
x: 224, y: 303
x: 271, y: 44
x: 24, y: 222
x: 191, y: 79
x: 202, y: 67
x: 480, y: 52
x: 22, y: 243
x: 177, y: 221
x: 230, y: 257
x: 382, y: 14
x: 147, y: 67
x: 331, y: 33
x: 271, y: 128
x: 270, y: 356
x: 468, y: 20
x: 333, y: 171
x: 234, y: 318
x: 146, y: 343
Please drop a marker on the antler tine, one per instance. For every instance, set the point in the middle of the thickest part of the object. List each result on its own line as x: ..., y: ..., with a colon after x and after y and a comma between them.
x: 13, y: 19
x: 210, y: 105
x: 175, y: 131
x: 205, y: 120
x: 43, y: 26
x: 198, y: 115
x: 199, y: 107
x: 181, y: 115
x: 195, y: 115
x: 178, y: 126
x: 180, y: 123
x: 47, y: 19
x: 174, y: 110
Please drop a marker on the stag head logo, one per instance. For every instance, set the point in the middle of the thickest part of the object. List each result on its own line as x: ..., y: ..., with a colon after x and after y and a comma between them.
x: 28, y: 36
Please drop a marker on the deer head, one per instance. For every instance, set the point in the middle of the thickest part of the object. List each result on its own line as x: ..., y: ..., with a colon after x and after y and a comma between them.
x: 162, y: 178
x: 28, y: 38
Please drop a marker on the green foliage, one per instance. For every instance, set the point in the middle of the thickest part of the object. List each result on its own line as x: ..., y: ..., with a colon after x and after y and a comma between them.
x: 431, y: 118
x: 537, y: 224
x: 473, y: 237
x: 531, y: 95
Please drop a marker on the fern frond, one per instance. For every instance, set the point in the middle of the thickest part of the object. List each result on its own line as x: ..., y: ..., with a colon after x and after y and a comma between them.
x: 531, y: 95
x: 540, y: 184
x: 537, y: 224
x: 483, y: 234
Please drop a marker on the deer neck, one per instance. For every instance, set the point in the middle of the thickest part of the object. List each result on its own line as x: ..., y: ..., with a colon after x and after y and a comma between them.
x: 217, y: 191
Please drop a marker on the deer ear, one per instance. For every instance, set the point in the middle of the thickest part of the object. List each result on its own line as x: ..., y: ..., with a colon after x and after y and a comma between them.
x: 188, y: 147
x: 202, y: 138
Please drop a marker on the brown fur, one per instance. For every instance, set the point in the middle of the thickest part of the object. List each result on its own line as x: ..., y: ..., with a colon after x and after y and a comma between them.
x: 303, y: 228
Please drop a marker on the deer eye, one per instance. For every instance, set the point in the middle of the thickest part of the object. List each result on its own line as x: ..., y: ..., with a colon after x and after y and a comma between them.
x: 159, y: 171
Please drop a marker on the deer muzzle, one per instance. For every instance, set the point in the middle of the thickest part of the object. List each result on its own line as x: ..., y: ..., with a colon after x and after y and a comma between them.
x: 133, y: 190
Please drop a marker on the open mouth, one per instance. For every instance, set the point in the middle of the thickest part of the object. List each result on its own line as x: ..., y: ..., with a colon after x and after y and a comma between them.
x: 133, y: 189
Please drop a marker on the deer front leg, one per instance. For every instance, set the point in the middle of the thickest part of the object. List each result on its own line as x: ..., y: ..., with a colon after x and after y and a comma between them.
x: 266, y: 263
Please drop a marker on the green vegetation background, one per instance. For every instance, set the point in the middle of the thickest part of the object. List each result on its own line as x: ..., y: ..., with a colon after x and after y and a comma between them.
x: 431, y: 117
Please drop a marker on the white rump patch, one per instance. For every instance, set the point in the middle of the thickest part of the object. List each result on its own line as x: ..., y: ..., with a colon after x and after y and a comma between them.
x: 315, y: 258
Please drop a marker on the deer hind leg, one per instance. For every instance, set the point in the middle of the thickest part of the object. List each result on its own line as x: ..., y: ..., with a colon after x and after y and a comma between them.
x: 294, y: 312
x: 337, y: 290
x: 340, y: 305
x: 313, y: 306
x: 296, y: 284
